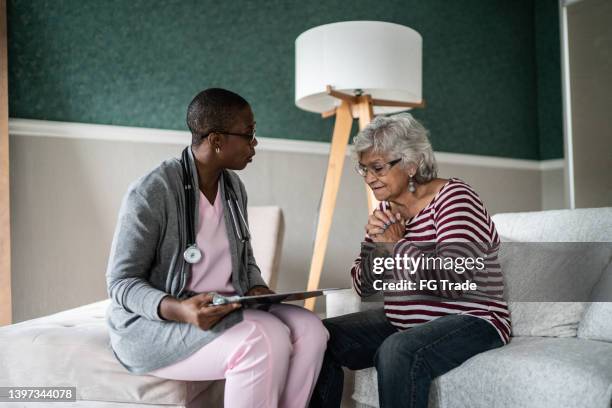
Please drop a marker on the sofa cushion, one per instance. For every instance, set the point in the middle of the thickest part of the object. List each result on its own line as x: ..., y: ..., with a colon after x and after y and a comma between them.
x: 71, y: 348
x: 597, y: 322
x: 267, y: 227
x: 579, y: 225
x: 528, y: 274
x: 548, y: 284
x: 546, y: 319
x: 528, y: 373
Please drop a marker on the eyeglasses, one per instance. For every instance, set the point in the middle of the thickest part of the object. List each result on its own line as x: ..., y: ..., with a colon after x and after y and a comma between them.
x: 379, y: 170
x: 248, y: 136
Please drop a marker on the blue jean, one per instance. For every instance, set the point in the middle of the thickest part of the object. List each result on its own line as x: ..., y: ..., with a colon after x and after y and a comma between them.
x: 406, y: 361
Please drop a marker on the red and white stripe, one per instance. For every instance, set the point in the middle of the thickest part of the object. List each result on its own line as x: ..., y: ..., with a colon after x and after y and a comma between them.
x: 455, y: 215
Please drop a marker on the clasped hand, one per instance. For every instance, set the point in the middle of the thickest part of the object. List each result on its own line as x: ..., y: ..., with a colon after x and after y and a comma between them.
x: 384, y: 226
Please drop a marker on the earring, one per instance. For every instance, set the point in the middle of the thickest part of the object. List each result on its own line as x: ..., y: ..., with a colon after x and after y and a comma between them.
x: 411, y: 184
x: 217, y: 150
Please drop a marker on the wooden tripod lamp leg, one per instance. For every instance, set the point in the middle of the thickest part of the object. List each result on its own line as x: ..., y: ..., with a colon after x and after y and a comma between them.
x: 340, y: 138
x: 5, y: 213
x: 366, y: 113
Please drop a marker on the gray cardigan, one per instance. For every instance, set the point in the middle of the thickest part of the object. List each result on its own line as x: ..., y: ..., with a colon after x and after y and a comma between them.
x: 146, y: 264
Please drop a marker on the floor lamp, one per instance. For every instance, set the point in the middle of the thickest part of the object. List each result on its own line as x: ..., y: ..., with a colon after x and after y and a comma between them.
x: 353, y: 70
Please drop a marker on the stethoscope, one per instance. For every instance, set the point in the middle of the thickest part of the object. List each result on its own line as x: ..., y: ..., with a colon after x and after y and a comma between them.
x: 192, y: 253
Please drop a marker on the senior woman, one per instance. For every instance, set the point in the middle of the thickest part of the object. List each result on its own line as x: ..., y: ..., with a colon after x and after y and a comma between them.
x: 412, y: 340
x: 161, y: 318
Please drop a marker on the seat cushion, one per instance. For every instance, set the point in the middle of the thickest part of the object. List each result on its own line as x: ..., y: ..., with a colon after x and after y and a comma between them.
x: 71, y: 348
x: 529, y: 372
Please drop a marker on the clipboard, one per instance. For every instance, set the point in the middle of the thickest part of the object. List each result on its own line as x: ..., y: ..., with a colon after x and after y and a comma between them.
x: 272, y: 297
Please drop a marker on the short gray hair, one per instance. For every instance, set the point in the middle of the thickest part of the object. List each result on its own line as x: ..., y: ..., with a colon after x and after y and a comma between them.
x: 402, y: 136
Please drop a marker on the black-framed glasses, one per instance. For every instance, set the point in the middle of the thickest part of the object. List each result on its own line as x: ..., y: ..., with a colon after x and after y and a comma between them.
x: 248, y: 136
x: 379, y: 170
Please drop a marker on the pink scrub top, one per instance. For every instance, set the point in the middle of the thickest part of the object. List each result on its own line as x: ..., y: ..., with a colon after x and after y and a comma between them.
x: 214, y: 271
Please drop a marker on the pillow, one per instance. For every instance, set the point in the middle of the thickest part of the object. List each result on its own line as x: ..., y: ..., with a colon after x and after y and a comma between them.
x: 602, y: 292
x: 548, y: 285
x: 546, y: 319
x: 597, y: 321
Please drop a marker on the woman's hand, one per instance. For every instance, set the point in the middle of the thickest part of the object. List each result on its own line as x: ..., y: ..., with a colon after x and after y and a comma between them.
x: 199, y: 310
x: 384, y: 226
x: 259, y: 290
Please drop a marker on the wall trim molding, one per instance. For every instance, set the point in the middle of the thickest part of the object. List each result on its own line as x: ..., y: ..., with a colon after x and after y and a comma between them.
x: 87, y: 131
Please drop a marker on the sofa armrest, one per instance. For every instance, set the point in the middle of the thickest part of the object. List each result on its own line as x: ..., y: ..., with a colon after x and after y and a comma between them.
x: 347, y: 301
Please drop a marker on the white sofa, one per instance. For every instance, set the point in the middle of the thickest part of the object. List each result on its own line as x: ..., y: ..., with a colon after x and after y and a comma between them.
x: 560, y: 354
x: 72, y: 348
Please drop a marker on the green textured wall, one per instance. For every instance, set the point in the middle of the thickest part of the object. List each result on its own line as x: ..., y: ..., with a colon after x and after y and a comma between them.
x: 139, y: 63
x: 548, y: 69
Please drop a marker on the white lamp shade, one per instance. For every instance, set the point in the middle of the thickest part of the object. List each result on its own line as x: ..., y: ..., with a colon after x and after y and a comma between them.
x: 382, y: 59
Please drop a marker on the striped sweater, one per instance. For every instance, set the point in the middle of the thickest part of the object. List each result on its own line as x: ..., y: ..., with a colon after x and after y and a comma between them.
x: 454, y: 224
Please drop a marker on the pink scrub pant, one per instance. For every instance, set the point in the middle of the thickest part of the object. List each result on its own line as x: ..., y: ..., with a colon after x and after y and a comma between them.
x: 270, y: 359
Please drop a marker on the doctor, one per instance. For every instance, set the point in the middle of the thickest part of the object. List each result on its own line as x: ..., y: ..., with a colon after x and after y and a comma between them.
x: 182, y: 232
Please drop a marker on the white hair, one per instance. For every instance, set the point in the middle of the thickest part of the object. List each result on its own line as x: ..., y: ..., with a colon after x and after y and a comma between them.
x: 399, y: 136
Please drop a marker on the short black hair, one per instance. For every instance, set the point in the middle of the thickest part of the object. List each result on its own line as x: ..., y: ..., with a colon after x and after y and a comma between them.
x: 212, y: 109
